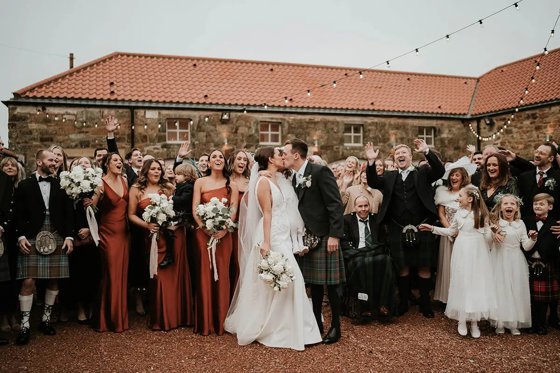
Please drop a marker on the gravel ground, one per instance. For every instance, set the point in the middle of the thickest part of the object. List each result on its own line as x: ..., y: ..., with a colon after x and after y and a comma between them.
x: 409, y: 343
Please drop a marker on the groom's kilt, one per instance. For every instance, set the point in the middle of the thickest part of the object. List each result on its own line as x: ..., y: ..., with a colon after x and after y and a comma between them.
x: 319, y: 267
x: 421, y: 255
x: 36, y: 265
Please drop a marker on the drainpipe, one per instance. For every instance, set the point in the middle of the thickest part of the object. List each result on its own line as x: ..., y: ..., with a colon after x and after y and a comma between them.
x: 478, y: 141
x: 131, y: 128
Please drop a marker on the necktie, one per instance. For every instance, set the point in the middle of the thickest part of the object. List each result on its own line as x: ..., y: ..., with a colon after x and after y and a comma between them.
x: 47, y: 179
x: 368, y: 238
x: 541, y: 179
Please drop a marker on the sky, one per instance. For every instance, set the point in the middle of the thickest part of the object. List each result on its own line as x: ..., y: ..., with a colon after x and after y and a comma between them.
x: 36, y: 36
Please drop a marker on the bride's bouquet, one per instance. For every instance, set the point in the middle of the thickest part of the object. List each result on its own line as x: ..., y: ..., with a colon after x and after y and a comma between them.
x: 159, y: 211
x: 216, y: 216
x: 275, y: 270
x: 80, y: 183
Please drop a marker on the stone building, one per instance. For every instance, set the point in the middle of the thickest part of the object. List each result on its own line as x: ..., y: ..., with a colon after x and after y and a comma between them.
x: 161, y: 101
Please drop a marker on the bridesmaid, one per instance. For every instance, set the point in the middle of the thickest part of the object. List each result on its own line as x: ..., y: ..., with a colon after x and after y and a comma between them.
x: 112, y: 199
x: 170, y: 289
x: 212, y: 298
x: 239, y: 169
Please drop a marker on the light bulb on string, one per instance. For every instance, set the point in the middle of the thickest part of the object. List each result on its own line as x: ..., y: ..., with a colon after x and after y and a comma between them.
x: 159, y: 125
x: 545, y: 51
x: 447, y: 37
x: 388, y: 63
x: 244, y: 111
x: 265, y: 106
x: 145, y: 126
x: 56, y: 117
x: 132, y: 127
x: 361, y: 75
x: 516, y: 6
x: 552, y: 33
x: 84, y: 124
x: 286, y: 100
x: 516, y: 109
x: 191, y: 122
x: 334, y: 83
x: 177, y: 123
x: 538, y: 66
x: 512, y: 116
x: 480, y: 23
x: 95, y: 124
x: 521, y: 102
x: 206, y: 118
x: 526, y: 91
x: 63, y: 119
x: 47, y: 115
x: 308, y: 92
x: 533, y: 79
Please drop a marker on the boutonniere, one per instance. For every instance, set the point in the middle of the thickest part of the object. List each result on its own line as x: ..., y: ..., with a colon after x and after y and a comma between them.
x: 305, y: 181
x: 550, y: 184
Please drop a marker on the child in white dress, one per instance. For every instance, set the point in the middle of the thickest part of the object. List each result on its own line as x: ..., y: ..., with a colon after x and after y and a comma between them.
x: 511, y: 272
x: 472, y: 295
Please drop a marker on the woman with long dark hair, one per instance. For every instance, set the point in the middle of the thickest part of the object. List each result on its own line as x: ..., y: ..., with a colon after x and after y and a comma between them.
x: 496, y: 180
x: 212, y: 296
x: 170, y: 288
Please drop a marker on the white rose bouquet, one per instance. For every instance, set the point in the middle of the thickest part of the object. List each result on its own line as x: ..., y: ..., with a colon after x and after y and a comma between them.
x: 275, y: 270
x: 80, y: 183
x: 215, y: 216
x: 159, y: 211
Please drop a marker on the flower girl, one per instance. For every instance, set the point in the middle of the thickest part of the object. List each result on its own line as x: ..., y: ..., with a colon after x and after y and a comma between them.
x: 510, y: 267
x: 472, y: 295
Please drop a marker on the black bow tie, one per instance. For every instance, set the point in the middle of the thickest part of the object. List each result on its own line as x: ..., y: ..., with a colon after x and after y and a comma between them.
x: 48, y: 179
x: 365, y: 221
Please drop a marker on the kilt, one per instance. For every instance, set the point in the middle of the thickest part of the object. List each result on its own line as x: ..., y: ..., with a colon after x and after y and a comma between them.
x: 319, y: 267
x: 422, y: 255
x: 546, y: 289
x: 41, y: 266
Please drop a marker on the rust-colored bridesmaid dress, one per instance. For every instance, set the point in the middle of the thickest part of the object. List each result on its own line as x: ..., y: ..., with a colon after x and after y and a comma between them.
x: 114, y: 248
x: 170, y: 290
x: 211, y: 297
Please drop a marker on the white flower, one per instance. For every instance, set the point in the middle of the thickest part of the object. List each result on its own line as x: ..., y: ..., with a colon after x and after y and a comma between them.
x: 550, y: 183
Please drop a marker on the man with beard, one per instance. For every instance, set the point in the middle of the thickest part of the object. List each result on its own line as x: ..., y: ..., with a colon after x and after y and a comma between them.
x: 543, y: 178
x: 408, y: 200
x: 44, y: 224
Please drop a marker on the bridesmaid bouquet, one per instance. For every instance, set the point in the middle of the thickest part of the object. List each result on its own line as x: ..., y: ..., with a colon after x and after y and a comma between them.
x: 80, y: 183
x: 216, y: 216
x: 275, y: 271
x: 159, y: 211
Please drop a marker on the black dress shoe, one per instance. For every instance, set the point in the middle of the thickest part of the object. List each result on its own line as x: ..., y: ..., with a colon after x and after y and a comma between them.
x: 541, y: 330
x: 554, y: 324
x: 23, y: 337
x: 332, y: 336
x: 402, y: 309
x: 3, y: 341
x: 167, y: 261
x: 427, y: 312
x: 47, y: 328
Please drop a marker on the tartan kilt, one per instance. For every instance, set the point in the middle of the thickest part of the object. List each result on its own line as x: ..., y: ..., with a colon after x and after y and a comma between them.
x: 319, y: 267
x: 422, y: 255
x: 546, y: 289
x: 36, y: 265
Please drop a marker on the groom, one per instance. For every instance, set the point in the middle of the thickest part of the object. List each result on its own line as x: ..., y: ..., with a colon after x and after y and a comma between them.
x: 321, y: 208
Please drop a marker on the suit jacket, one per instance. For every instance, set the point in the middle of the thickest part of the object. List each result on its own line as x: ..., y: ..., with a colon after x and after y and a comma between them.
x: 424, y: 176
x: 131, y: 176
x: 547, y: 243
x: 30, y: 209
x: 527, y: 185
x: 6, y: 194
x: 320, y: 205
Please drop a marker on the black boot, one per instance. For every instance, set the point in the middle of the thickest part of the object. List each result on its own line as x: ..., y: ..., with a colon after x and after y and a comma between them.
x: 403, y: 284
x: 334, y: 301
x: 169, y: 257
x: 425, y: 285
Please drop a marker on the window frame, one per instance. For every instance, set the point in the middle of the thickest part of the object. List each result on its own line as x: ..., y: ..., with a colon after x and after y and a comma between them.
x: 422, y: 134
x: 269, y: 133
x: 354, y: 134
x: 178, y: 131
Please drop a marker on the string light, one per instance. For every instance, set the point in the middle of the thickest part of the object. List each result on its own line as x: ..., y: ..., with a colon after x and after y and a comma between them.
x: 480, y: 22
x: 145, y: 126
x: 538, y: 66
x: 526, y: 91
x: 545, y: 51
x: 286, y: 99
x: 334, y: 84
x: 206, y: 118
x: 361, y: 75
x: 159, y: 125
x: 533, y: 79
x: 417, y: 51
x: 388, y: 64
x: 516, y: 6
x: 56, y: 117
x: 447, y: 37
x: 308, y: 92
x: 552, y: 33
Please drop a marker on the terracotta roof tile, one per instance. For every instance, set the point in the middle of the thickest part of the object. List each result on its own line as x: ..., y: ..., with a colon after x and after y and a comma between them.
x: 174, y: 79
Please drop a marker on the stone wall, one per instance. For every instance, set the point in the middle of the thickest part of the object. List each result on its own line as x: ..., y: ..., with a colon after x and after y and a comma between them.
x: 80, y: 130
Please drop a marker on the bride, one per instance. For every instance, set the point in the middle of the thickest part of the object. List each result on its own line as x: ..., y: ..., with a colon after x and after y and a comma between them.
x: 257, y: 312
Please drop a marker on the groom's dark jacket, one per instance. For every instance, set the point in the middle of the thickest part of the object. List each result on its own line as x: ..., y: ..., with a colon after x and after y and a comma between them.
x: 320, y: 205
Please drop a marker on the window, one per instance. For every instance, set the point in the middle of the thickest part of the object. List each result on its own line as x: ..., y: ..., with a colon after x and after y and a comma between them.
x: 270, y: 133
x: 428, y: 134
x: 353, y: 134
x: 178, y: 131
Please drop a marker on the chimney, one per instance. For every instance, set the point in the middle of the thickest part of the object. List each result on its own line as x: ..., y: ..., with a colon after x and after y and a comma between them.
x: 71, y: 60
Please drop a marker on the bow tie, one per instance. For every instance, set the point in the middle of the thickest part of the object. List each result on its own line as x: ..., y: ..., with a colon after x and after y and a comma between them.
x: 365, y: 221
x: 542, y: 218
x: 48, y: 179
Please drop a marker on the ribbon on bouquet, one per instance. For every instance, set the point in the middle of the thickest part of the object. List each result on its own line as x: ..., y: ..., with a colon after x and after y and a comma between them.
x: 212, y: 244
x: 153, y: 256
x: 92, y: 224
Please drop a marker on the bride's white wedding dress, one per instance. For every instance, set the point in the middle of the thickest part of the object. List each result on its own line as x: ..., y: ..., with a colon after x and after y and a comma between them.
x: 257, y: 312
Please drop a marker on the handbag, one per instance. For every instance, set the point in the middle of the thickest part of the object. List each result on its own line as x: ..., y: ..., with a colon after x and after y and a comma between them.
x: 310, y: 240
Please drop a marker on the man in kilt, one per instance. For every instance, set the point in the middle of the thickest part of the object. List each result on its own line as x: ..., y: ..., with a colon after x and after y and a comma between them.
x: 321, y: 208
x: 543, y: 261
x: 44, y: 223
x: 408, y: 200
